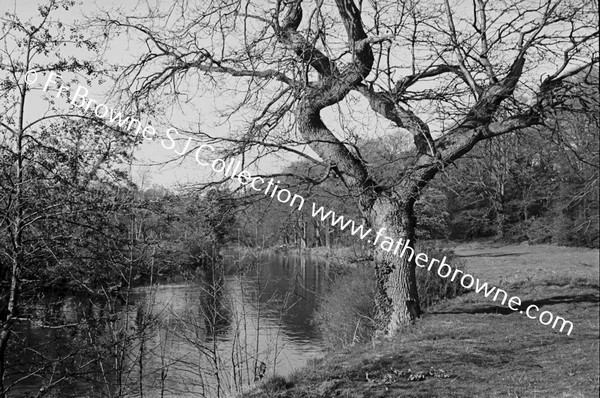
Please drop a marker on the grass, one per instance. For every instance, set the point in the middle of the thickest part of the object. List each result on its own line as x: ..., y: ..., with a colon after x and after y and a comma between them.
x: 471, y: 347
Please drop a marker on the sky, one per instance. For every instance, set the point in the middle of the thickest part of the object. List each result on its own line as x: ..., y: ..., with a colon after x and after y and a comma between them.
x: 154, y: 165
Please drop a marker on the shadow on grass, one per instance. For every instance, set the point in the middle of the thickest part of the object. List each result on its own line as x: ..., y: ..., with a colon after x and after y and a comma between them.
x: 504, y: 310
x: 492, y: 255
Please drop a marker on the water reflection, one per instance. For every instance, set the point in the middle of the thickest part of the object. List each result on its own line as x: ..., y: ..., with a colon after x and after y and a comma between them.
x: 244, y: 321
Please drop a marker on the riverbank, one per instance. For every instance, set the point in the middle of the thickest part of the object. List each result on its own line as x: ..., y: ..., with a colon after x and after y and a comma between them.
x: 471, y: 346
x: 351, y: 254
x: 346, y: 253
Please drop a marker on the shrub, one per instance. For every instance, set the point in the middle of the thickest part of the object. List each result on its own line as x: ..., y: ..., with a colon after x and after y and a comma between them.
x: 276, y: 383
x: 346, y: 312
x: 433, y: 288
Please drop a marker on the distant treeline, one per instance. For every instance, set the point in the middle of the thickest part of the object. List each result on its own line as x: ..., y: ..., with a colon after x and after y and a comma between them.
x: 80, y: 231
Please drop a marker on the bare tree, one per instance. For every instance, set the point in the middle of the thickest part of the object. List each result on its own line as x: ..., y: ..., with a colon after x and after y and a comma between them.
x: 50, y: 165
x: 311, y: 73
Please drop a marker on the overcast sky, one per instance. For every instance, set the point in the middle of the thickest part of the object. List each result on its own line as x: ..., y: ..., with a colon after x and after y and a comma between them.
x: 149, y: 155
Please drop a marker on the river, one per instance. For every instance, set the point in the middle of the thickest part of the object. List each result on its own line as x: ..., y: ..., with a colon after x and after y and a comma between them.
x: 183, y: 339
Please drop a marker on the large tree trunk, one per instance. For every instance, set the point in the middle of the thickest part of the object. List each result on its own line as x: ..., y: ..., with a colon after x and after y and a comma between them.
x: 397, y: 298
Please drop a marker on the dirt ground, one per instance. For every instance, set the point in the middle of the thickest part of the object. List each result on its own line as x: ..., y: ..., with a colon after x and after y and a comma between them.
x: 473, y: 347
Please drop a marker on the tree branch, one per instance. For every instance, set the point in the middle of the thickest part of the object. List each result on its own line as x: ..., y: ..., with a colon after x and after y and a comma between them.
x: 475, y: 88
x: 386, y: 105
x: 307, y: 52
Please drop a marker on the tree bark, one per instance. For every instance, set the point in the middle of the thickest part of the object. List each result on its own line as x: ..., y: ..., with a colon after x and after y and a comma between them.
x: 397, y: 298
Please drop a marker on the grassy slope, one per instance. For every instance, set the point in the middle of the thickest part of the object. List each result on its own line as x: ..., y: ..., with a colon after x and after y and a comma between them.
x: 475, y: 347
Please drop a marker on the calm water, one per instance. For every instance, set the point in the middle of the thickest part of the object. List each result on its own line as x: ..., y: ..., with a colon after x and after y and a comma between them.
x: 184, y: 339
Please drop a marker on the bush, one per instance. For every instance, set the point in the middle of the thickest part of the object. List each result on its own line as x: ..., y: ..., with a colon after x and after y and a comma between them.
x: 346, y: 313
x: 276, y: 384
x: 433, y: 288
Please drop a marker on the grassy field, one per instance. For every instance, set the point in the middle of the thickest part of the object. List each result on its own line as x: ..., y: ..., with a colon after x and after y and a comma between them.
x: 472, y: 346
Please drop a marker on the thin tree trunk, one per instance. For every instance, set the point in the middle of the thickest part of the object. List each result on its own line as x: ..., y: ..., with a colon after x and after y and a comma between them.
x: 303, y: 240
x: 17, y: 250
x: 500, y: 219
x: 318, y: 239
x: 6, y: 330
